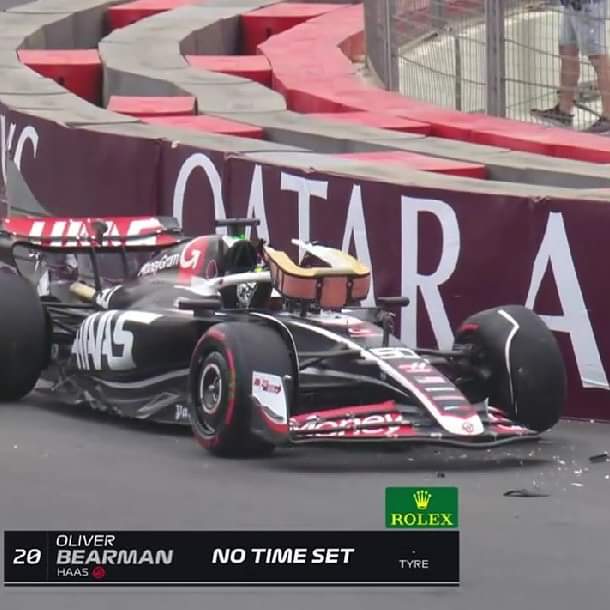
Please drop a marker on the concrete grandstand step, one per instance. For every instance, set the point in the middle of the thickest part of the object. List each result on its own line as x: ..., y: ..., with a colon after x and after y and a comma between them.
x: 65, y: 108
x: 78, y: 70
x: 152, y: 106
x: 423, y: 163
x: 204, y: 142
x: 214, y: 92
x: 513, y: 166
x: 22, y: 81
x: 121, y: 15
x: 260, y: 25
x: 251, y: 67
x: 10, y: 62
x: 502, y: 164
x: 26, y: 30
x: 207, y: 124
x: 392, y: 174
x: 202, y: 28
x: 321, y: 136
x: 63, y: 6
x: 373, y: 119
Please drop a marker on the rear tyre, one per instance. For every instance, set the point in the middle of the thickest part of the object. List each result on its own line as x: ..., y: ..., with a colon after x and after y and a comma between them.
x: 24, y: 343
x: 221, y: 385
x: 527, y: 376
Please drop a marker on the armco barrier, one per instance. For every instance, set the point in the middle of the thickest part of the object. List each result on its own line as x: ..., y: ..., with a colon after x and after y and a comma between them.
x: 454, y: 245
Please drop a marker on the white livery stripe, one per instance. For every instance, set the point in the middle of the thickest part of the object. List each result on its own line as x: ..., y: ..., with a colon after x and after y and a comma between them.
x: 513, y: 332
x: 432, y: 379
x: 416, y: 367
x: 450, y: 397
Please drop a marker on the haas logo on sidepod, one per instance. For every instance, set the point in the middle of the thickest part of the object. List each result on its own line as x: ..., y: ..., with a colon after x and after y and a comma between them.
x: 103, y: 342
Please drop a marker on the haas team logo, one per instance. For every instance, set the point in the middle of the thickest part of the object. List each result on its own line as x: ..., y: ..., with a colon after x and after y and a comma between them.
x: 104, y: 342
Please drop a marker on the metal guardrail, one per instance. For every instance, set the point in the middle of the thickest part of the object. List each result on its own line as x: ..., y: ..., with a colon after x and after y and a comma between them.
x: 500, y: 57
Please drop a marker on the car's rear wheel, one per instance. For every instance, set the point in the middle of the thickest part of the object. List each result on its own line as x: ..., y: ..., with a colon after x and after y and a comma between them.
x: 526, y: 373
x: 24, y: 343
x: 222, y: 368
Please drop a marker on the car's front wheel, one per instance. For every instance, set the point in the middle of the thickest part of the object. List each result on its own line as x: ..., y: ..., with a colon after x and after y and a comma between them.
x: 526, y: 372
x: 221, y: 386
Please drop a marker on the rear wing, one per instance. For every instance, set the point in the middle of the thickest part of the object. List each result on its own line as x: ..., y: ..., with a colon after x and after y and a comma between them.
x: 104, y: 232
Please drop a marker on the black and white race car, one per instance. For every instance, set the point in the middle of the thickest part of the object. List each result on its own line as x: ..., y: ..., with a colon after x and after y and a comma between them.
x: 251, y: 349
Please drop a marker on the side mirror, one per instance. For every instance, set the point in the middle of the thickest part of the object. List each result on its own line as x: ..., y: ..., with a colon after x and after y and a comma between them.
x: 386, y: 318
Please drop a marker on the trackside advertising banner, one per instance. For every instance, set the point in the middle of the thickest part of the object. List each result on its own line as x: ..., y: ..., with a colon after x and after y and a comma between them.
x: 232, y: 558
x: 452, y: 253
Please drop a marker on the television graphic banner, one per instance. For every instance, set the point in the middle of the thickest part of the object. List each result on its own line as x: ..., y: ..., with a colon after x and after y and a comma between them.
x: 231, y: 558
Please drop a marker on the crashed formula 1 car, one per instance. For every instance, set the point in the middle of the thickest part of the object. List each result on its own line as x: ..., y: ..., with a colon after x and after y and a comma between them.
x: 251, y: 349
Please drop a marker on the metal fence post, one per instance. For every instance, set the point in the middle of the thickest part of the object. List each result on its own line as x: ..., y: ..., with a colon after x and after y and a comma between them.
x: 437, y: 8
x: 457, y: 50
x: 496, y: 64
x: 389, y: 80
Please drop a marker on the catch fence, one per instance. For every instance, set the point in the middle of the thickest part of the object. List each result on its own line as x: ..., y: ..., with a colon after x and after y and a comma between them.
x: 499, y: 57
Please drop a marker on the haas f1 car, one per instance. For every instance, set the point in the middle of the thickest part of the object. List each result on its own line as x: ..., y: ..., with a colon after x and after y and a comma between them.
x: 251, y: 349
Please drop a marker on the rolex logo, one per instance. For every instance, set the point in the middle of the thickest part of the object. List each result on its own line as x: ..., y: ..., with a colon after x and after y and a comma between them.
x: 410, y: 507
x: 422, y: 499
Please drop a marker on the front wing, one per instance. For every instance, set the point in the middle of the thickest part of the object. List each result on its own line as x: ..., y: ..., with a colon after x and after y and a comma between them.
x: 391, y: 422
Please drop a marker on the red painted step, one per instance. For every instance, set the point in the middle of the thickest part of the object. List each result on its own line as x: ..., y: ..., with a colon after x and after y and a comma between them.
x: 152, y: 106
x: 423, y: 163
x: 252, y: 67
x: 78, y: 70
x: 208, y: 124
x: 125, y: 14
x: 374, y: 119
x: 259, y: 25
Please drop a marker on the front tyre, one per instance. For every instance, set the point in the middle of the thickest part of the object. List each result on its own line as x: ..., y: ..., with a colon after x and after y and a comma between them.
x: 527, y: 376
x: 222, y: 368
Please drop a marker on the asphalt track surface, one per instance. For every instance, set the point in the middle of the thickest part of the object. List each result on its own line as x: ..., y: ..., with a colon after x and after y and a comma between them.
x: 63, y: 468
x: 69, y: 468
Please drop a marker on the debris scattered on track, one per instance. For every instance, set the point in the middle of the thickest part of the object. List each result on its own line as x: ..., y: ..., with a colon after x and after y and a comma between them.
x: 525, y: 493
x: 600, y: 457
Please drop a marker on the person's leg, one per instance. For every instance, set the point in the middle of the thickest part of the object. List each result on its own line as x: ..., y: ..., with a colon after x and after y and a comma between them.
x: 601, y: 63
x: 568, y: 77
x: 569, y: 74
x: 592, y: 32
